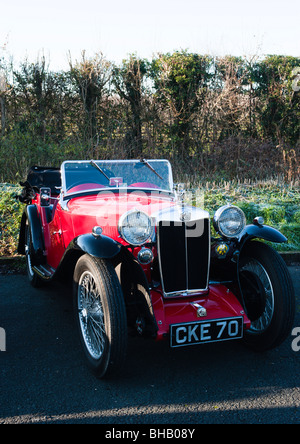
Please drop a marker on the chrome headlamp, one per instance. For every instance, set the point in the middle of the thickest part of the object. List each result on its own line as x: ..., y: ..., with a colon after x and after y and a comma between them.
x: 229, y: 221
x: 136, y: 227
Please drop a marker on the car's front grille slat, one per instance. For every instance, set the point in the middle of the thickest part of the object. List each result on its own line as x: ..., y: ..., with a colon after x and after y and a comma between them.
x: 183, y: 251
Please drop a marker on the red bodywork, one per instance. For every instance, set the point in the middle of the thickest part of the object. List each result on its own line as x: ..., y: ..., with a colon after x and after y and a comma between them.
x: 104, y: 209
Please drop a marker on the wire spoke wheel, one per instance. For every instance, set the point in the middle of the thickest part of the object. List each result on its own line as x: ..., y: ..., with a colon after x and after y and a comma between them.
x: 91, y: 316
x: 34, y: 280
x: 100, y: 314
x: 27, y: 251
x: 268, y: 295
x: 261, y: 305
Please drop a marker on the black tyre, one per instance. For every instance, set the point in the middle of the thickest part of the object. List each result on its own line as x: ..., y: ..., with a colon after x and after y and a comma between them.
x: 33, y: 278
x: 100, y: 315
x: 268, y: 294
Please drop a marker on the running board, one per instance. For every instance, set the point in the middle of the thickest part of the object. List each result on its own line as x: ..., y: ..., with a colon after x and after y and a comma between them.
x: 44, y: 271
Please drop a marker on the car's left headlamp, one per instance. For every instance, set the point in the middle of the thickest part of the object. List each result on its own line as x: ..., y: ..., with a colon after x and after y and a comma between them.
x: 229, y: 221
x: 136, y: 227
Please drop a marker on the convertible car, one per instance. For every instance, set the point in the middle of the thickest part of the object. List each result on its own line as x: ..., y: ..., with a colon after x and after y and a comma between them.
x: 141, y: 259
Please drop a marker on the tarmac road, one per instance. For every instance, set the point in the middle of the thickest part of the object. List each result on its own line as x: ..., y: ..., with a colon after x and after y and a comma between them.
x: 44, y: 379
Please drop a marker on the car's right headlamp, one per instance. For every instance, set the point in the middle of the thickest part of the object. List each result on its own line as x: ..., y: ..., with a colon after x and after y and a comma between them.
x: 136, y: 227
x: 229, y: 221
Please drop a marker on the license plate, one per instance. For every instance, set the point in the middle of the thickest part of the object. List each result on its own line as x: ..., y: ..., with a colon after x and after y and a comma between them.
x: 194, y: 333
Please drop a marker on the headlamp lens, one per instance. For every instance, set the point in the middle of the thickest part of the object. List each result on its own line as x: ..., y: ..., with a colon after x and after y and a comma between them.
x: 135, y: 227
x: 229, y: 221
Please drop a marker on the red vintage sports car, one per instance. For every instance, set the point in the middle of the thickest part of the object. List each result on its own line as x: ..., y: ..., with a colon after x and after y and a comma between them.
x: 141, y: 259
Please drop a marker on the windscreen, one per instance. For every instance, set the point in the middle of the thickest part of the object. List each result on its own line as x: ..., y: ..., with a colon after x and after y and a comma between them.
x: 80, y: 176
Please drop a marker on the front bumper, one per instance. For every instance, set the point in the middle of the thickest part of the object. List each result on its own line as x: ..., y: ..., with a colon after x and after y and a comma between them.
x: 218, y: 303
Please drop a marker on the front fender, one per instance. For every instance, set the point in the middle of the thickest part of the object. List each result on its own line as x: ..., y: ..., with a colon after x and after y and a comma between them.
x: 260, y: 232
x: 225, y: 266
x: 31, y: 216
x: 255, y: 232
x: 102, y: 246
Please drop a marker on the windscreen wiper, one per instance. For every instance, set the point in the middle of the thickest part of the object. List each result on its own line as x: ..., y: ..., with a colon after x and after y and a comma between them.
x: 93, y: 163
x: 145, y: 162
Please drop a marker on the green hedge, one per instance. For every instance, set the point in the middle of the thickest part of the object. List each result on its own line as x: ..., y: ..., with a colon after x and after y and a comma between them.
x: 277, y: 203
x: 10, y: 217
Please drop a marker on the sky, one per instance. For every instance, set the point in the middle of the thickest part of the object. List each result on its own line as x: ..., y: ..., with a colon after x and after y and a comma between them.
x: 116, y: 28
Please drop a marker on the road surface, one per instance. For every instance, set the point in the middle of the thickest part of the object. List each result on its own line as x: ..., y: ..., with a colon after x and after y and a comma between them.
x: 44, y: 379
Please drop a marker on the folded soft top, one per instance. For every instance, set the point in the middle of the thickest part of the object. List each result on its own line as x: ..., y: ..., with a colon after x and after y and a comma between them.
x: 39, y: 176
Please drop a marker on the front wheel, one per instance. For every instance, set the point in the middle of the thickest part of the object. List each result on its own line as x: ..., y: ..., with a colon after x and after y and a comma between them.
x: 268, y: 294
x: 100, y: 315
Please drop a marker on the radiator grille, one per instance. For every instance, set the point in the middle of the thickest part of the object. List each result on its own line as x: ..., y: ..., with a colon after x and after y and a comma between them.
x: 183, y: 252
